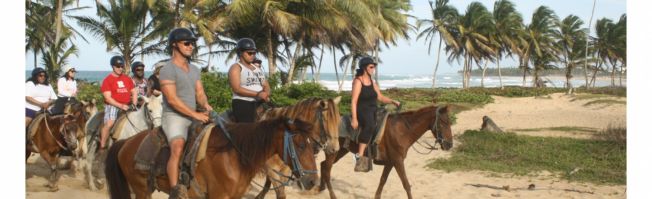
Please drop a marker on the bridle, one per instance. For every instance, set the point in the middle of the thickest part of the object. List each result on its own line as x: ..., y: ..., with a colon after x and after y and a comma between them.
x: 439, y: 137
x: 323, y: 136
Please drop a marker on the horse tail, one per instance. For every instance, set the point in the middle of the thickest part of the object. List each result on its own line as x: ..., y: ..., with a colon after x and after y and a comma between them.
x: 116, y: 180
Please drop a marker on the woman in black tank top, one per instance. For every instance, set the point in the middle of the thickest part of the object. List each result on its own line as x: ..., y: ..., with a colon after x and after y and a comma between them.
x: 365, y: 93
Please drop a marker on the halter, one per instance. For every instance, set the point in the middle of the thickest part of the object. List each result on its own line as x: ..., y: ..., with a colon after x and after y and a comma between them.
x: 323, y: 136
x: 62, y: 130
x: 438, y: 135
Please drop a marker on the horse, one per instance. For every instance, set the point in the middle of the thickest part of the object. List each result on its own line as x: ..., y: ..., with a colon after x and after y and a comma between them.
x: 53, y: 135
x: 233, y: 157
x: 401, y: 131
x: 322, y: 113
x: 145, y: 118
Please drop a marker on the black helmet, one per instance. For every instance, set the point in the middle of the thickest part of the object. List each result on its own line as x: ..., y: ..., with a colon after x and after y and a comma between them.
x: 38, y: 70
x: 245, y: 44
x: 135, y: 65
x: 117, y: 61
x: 366, y: 61
x: 180, y: 34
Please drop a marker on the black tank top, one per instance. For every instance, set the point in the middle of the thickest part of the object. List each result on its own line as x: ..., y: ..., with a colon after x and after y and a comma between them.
x: 368, y: 96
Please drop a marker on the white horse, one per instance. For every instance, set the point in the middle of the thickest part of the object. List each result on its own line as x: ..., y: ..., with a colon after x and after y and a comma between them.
x: 145, y: 118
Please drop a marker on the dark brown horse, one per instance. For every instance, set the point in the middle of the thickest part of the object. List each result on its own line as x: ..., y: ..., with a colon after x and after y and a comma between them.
x: 229, y: 166
x: 401, y: 131
x: 56, y: 134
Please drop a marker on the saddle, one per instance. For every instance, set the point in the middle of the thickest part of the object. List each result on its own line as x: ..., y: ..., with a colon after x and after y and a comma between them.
x: 350, y: 135
x: 154, y: 151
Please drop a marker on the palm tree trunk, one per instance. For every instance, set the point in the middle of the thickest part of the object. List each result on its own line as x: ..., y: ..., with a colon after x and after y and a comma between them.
x: 622, y: 71
x: 316, y: 76
x: 434, y: 74
x: 270, y: 54
x: 59, y: 20
x: 293, y: 61
x: 484, y: 71
x: 339, y: 89
x: 500, y: 75
x: 375, y: 53
x: 613, y: 75
x: 36, y: 60
x: 569, y: 73
x: 586, y: 50
x: 337, y: 75
x: 464, y: 71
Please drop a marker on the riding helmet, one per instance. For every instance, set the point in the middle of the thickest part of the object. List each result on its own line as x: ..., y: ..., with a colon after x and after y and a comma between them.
x: 180, y: 34
x: 117, y: 61
x: 245, y: 44
x: 135, y: 65
x: 366, y: 61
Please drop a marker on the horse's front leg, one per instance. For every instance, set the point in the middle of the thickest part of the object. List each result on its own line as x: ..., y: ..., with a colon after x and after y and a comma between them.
x: 52, y: 160
x: 90, y: 159
x: 326, y: 167
x: 263, y: 192
x: 400, y: 169
x: 383, y: 179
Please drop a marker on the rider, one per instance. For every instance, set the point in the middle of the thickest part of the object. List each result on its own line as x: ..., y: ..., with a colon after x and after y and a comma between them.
x: 248, y: 82
x: 182, y: 92
x: 118, y: 90
x: 153, y: 85
x: 364, y: 95
x: 67, y: 89
x: 138, y: 77
x: 38, y: 94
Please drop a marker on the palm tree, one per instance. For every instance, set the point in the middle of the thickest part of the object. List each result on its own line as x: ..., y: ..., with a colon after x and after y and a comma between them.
x: 508, y: 25
x: 120, y: 27
x: 56, y: 56
x: 473, y: 37
x: 621, y: 45
x: 444, y: 16
x: 569, y: 35
x: 604, y: 44
x: 540, y: 41
x: 586, y: 50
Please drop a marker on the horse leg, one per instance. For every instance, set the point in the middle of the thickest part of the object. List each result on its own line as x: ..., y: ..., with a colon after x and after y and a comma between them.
x: 400, y: 169
x: 263, y: 192
x: 52, y: 159
x: 383, y: 179
x: 326, y: 167
x: 90, y: 159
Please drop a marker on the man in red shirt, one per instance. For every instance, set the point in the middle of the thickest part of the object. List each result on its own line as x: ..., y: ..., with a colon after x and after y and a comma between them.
x: 118, y: 91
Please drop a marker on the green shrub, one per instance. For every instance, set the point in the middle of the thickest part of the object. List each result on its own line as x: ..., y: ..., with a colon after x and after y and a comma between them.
x: 462, y: 96
x: 88, y: 91
x: 216, y: 86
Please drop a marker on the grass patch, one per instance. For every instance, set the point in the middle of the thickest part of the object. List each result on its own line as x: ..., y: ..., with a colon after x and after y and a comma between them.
x: 605, y: 101
x: 588, y: 97
x: 560, y: 128
x: 599, y: 161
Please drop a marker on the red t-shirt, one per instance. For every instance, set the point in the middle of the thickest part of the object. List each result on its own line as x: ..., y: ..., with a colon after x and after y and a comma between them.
x: 119, y: 87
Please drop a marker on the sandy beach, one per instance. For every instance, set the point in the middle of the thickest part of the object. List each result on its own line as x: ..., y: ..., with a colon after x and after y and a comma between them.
x: 509, y: 113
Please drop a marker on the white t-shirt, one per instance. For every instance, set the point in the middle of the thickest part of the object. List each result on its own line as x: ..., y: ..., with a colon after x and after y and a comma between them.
x: 66, y: 88
x: 251, y: 80
x: 40, y: 93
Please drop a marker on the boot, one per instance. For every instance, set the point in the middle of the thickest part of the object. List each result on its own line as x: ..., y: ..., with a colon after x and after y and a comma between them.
x: 179, y: 192
x: 362, y: 164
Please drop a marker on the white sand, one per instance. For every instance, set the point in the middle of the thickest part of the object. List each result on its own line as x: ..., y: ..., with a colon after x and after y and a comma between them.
x: 508, y: 113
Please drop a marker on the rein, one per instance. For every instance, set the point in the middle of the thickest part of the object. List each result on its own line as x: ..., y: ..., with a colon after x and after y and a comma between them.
x: 60, y: 130
x: 438, y: 135
x: 322, y: 134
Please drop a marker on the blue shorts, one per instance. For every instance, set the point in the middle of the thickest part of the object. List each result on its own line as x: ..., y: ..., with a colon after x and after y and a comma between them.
x: 30, y: 113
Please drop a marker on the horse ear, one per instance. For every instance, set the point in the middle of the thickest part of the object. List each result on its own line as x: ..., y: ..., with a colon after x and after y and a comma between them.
x: 337, y: 100
x: 84, y: 103
x: 444, y: 110
x: 93, y: 101
x: 323, y: 104
x: 145, y: 99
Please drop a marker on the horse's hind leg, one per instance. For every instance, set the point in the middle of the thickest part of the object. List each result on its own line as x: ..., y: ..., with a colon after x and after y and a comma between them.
x: 52, y: 160
x: 383, y: 180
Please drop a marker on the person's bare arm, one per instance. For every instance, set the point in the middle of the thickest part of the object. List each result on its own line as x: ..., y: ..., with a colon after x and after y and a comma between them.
x: 134, y: 96
x: 383, y: 98
x: 355, y: 94
x: 201, y: 97
x: 109, y: 100
x: 169, y: 90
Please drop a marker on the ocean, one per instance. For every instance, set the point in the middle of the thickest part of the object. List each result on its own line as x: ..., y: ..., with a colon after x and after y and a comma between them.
x: 446, y: 80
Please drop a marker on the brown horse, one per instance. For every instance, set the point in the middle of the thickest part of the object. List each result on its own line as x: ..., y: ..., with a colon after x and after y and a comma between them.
x: 56, y: 134
x: 401, y: 131
x: 323, y: 114
x: 229, y: 165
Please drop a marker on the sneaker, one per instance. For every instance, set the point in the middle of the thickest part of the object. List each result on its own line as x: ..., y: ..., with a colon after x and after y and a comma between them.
x: 179, y: 192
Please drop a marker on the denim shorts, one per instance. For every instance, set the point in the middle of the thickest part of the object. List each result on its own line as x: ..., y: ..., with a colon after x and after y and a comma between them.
x: 175, y: 126
x: 30, y: 113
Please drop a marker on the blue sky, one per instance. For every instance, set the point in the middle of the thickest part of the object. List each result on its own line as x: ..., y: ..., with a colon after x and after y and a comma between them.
x: 407, y: 57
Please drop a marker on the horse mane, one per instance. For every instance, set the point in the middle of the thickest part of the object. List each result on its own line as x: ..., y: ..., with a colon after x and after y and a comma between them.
x: 299, y: 111
x: 254, y: 140
x: 419, y: 112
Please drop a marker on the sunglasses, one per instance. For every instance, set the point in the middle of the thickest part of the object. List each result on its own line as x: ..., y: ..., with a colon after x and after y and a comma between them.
x: 371, y: 67
x: 251, y: 53
x: 41, y: 75
x: 188, y: 43
x: 119, y: 66
x: 140, y: 70
x: 72, y: 71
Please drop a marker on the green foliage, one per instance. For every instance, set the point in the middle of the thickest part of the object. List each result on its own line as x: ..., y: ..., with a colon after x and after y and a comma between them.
x: 216, y: 86
x: 88, y: 91
x: 289, y: 95
x: 598, y: 161
x: 457, y: 96
x: 614, y: 91
x: 516, y: 91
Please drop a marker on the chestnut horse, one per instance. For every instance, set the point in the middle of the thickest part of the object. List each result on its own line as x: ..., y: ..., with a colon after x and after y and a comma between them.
x: 324, y: 115
x: 401, y: 131
x: 232, y: 159
x: 56, y: 134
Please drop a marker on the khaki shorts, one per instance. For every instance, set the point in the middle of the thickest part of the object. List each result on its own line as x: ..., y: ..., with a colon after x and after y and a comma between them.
x: 175, y: 126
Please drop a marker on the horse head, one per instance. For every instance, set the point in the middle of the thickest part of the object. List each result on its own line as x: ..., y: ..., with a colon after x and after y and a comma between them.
x: 298, y: 147
x: 71, y: 131
x: 441, y: 128
x: 154, y: 105
x: 90, y: 108
x: 328, y: 123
